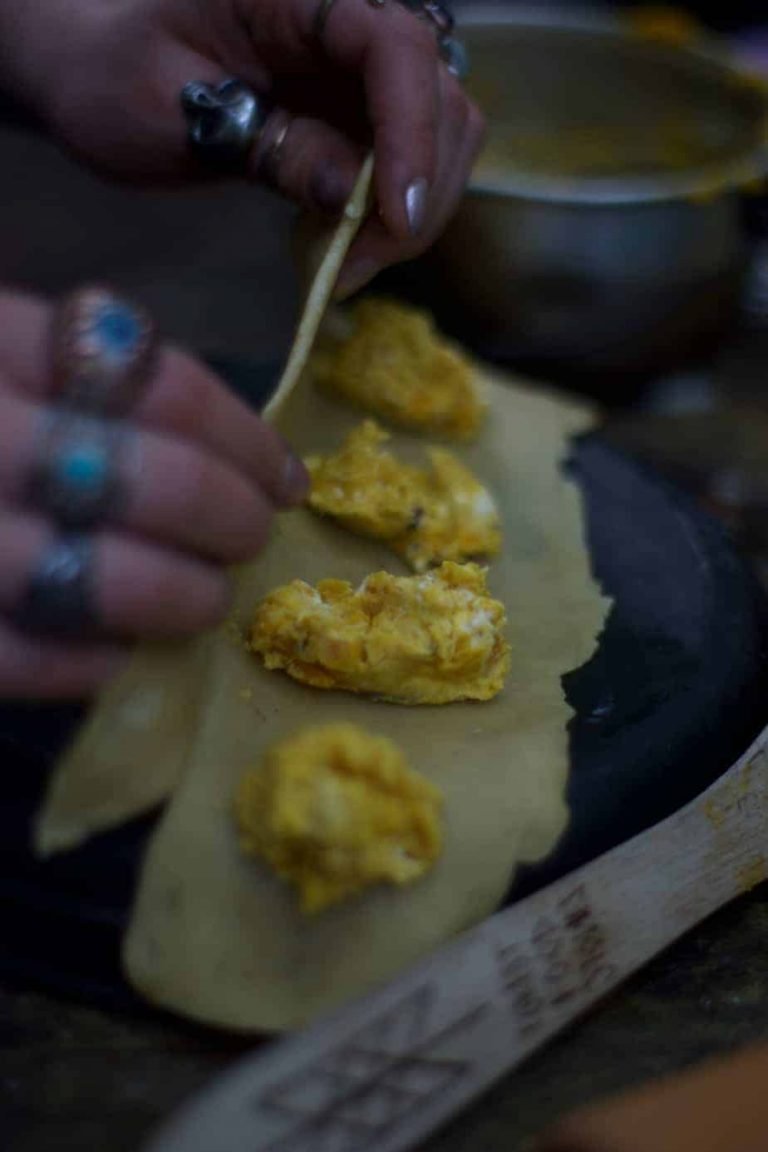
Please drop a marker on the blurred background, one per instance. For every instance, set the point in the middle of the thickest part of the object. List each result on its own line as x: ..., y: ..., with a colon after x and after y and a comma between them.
x: 617, y: 246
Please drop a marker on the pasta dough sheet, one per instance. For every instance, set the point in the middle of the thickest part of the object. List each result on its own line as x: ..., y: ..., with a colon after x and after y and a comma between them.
x: 216, y: 936
x: 104, y: 779
x: 131, y: 750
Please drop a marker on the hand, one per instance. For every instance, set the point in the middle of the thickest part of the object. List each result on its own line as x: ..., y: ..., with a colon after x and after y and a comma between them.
x: 107, y: 77
x: 200, y: 483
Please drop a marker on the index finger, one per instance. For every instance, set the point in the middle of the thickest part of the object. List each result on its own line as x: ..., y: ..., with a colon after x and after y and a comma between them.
x: 183, y: 397
x: 397, y: 58
x: 187, y: 398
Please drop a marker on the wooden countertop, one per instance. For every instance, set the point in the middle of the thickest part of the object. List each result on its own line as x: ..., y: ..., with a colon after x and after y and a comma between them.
x: 75, y: 1079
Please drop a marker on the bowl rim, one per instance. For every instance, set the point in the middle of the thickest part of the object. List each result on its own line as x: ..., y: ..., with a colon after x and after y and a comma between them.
x: 700, y: 184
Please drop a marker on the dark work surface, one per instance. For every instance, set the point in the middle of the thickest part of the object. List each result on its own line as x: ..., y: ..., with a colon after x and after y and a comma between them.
x: 675, y: 692
x: 677, y: 687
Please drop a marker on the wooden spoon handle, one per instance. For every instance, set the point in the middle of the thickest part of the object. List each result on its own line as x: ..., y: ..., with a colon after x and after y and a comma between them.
x: 388, y: 1069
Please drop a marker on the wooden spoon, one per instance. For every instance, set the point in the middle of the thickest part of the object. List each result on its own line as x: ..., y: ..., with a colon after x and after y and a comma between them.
x: 384, y: 1072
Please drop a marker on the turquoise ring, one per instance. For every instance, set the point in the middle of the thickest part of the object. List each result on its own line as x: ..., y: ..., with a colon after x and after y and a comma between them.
x: 80, y: 468
x: 103, y: 351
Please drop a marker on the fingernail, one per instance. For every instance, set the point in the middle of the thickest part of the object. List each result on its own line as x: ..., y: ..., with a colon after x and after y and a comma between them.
x: 330, y: 189
x: 295, y: 481
x: 416, y: 205
x: 354, y: 277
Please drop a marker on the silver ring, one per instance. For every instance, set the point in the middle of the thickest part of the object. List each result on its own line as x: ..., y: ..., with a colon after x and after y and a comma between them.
x: 455, y: 56
x: 103, y: 351
x: 434, y: 11
x: 77, y: 477
x: 223, y: 122
x: 451, y: 50
x: 268, y: 163
x: 439, y: 15
x: 58, y: 600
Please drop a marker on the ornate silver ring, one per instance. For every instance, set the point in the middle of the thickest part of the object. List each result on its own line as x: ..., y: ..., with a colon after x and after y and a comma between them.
x: 437, y: 13
x: 223, y: 122
x: 59, y: 597
x: 455, y: 56
x: 103, y: 350
x: 451, y: 49
x: 79, y: 471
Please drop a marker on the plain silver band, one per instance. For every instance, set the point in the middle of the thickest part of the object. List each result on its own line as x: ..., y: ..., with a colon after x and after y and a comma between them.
x: 58, y: 601
x: 269, y: 162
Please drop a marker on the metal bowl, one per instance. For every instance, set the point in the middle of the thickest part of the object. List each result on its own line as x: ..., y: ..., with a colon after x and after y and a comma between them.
x: 602, y: 229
